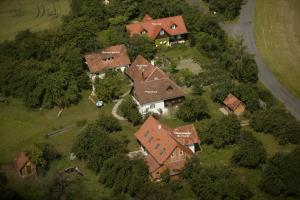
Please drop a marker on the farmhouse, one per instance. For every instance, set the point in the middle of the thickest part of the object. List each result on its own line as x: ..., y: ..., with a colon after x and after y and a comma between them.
x: 234, y: 105
x: 152, y: 89
x: 24, y: 166
x: 114, y: 57
x: 165, y: 31
x: 165, y: 148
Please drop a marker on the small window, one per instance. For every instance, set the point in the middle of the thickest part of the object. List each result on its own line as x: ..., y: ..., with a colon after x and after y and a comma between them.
x: 143, y: 32
x: 157, y: 145
x: 174, y: 26
x: 162, y: 151
x: 181, y: 152
x: 162, y: 32
x: 173, y: 155
x: 152, y: 106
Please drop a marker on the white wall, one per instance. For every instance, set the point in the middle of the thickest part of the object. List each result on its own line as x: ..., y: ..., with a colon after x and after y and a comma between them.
x: 192, y: 147
x: 145, y: 108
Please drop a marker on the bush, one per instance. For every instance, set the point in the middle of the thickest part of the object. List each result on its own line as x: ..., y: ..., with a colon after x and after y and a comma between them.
x: 130, y: 111
x: 230, y: 9
x: 281, y: 175
x: 251, y: 152
x: 221, y: 133
x: 108, y: 123
x: 279, y: 123
x: 194, y: 108
x: 94, y: 145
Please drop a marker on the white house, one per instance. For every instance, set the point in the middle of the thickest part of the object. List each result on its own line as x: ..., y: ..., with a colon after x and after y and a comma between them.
x: 152, y: 90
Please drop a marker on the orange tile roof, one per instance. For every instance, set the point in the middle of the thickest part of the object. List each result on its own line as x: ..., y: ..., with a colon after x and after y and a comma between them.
x: 151, y: 163
x: 140, y: 69
x: 97, y: 61
x: 186, y: 134
x: 156, y: 139
x: 153, y: 26
x: 231, y: 102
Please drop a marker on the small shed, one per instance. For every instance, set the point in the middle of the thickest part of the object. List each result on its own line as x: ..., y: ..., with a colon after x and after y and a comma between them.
x: 234, y: 105
x: 24, y: 166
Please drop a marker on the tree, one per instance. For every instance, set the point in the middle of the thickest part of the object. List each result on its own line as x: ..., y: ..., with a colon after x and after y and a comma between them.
x: 95, y: 146
x: 108, y: 89
x: 251, y: 152
x: 194, y: 108
x: 130, y: 111
x: 210, y: 183
x: 281, y: 175
x: 222, y: 132
x: 279, y: 123
x: 108, y: 123
x: 124, y: 175
x: 247, y: 94
x: 230, y: 9
x: 141, y: 45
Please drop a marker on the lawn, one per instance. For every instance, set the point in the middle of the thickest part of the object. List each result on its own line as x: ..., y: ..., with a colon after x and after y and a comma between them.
x: 277, y: 34
x: 36, y: 15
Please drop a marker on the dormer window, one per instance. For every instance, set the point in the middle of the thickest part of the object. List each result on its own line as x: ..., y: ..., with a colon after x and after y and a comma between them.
x: 143, y: 32
x: 174, y: 26
x: 169, y: 88
x: 162, y: 32
x: 108, y: 58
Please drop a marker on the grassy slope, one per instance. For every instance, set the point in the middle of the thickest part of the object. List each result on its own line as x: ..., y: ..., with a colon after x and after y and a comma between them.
x: 36, y: 15
x: 277, y: 33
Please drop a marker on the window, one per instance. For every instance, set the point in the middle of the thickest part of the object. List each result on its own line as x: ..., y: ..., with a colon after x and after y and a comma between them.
x: 173, y: 155
x: 152, y: 106
x: 162, y: 151
x: 162, y: 32
x: 143, y: 32
x: 181, y: 152
x: 157, y: 145
x: 174, y: 26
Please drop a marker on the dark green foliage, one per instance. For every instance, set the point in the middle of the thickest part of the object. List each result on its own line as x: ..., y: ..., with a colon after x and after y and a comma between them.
x: 141, y: 45
x: 7, y: 193
x: 42, y: 154
x: 183, y: 77
x: 221, y: 90
x: 208, y: 44
x: 215, y: 183
x: 281, y: 176
x: 248, y: 95
x: 108, y: 123
x: 95, y: 146
x: 108, y: 88
x: 279, y: 123
x: 157, y: 191
x: 68, y: 186
x: 230, y: 9
x: 193, y: 108
x: 221, y: 133
x: 251, y: 152
x: 124, y: 175
x: 130, y: 111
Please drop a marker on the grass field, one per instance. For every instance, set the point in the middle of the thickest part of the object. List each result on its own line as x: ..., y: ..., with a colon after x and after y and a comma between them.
x: 36, y: 15
x: 277, y: 33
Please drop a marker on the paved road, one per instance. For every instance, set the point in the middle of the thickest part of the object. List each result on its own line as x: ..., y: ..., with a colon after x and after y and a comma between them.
x: 244, y: 27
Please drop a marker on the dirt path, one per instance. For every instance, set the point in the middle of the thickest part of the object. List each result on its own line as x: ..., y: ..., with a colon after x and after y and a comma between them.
x: 244, y: 27
x: 114, y: 111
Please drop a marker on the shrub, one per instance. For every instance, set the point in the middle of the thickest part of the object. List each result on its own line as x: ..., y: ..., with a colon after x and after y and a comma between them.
x: 194, y: 108
x: 130, y: 111
x: 251, y: 152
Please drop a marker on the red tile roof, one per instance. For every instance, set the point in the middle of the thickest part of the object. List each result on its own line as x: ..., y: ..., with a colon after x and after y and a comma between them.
x: 97, y: 61
x: 231, y: 102
x: 140, y: 69
x: 21, y: 160
x: 156, y: 90
x: 156, y: 139
x: 153, y: 26
x: 175, y: 167
x: 160, y: 141
x: 186, y: 134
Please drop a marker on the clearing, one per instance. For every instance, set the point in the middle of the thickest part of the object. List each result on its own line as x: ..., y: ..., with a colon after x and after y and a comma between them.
x: 277, y: 34
x: 35, y: 15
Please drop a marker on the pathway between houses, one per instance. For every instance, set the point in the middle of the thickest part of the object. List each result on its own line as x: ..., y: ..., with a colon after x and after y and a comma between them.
x: 116, y: 106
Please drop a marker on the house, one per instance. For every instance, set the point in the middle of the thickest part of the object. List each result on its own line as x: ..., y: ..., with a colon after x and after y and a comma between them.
x: 164, y: 31
x: 152, y: 89
x: 114, y: 57
x: 24, y: 166
x: 166, y: 149
x: 234, y: 105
